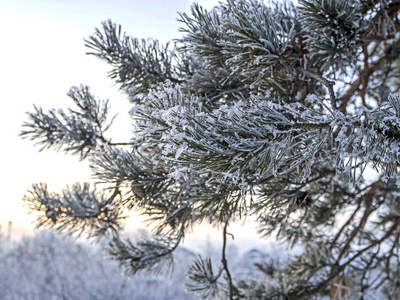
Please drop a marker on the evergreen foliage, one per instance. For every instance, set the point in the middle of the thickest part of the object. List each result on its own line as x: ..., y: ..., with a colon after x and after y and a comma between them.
x: 287, y: 113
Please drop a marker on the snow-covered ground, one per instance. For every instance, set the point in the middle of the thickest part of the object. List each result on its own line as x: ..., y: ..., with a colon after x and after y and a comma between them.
x: 47, y: 266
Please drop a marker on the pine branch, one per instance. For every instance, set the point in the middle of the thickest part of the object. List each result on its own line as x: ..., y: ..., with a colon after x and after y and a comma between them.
x: 365, y: 77
x: 354, y: 87
x: 367, y: 199
x: 346, y: 224
x: 204, y: 281
x: 151, y: 254
x: 77, y: 210
x: 119, y: 144
x: 137, y: 65
x: 382, y: 23
x: 80, y: 131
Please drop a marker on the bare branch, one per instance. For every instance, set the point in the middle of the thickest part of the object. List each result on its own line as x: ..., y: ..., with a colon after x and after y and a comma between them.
x: 225, y: 262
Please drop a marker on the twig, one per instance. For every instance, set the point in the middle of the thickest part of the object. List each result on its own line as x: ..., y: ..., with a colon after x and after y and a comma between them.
x: 354, y: 87
x: 346, y: 224
x: 377, y: 242
x: 329, y: 84
x: 365, y: 76
x: 366, y: 269
x: 367, y: 212
x: 340, y: 268
x: 225, y: 262
x: 120, y: 144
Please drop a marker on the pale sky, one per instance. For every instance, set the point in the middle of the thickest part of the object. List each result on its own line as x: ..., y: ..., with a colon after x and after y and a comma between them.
x: 42, y: 55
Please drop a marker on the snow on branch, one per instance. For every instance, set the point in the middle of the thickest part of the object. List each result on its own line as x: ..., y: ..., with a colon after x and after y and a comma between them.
x: 247, y: 141
x: 78, y: 209
x: 332, y: 30
x: 80, y: 131
x: 114, y: 164
x: 241, y: 40
x: 255, y: 138
x: 150, y: 254
x: 137, y: 64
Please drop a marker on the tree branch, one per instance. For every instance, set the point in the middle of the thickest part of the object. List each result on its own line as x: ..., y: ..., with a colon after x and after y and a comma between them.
x: 368, y: 70
x: 339, y: 268
x: 356, y: 230
x: 329, y: 84
x: 377, y: 242
x: 365, y: 75
x: 346, y: 224
x: 225, y: 262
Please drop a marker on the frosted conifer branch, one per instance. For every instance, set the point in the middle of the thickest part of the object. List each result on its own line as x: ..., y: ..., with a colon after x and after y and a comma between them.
x: 78, y: 209
x: 80, y: 131
x: 234, y: 142
x: 114, y: 164
x: 203, y: 279
x: 241, y: 40
x: 137, y: 64
x: 332, y: 30
x: 150, y: 254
